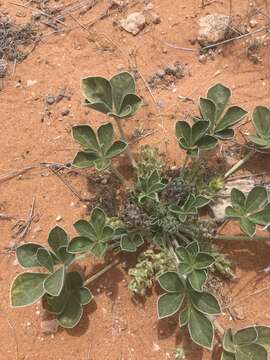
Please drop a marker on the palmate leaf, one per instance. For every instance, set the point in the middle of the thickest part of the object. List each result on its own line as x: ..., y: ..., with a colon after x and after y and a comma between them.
x: 99, y: 149
x: 27, y: 288
x: 193, y: 264
x: 68, y: 305
x: 131, y: 242
x: 193, y: 138
x: 115, y: 97
x: 93, y: 235
x: 250, y: 210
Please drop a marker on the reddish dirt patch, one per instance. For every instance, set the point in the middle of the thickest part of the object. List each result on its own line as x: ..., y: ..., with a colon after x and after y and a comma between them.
x: 31, y: 131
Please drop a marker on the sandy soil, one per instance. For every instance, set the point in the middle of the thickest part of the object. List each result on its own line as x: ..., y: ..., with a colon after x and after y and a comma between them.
x: 113, y: 327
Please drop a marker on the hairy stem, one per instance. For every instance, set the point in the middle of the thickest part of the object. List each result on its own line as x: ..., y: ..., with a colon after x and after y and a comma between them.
x: 185, y: 162
x: 80, y: 257
x: 219, y: 328
x: 119, y: 175
x: 101, y: 272
x: 239, y: 164
x: 241, y: 238
x: 122, y: 133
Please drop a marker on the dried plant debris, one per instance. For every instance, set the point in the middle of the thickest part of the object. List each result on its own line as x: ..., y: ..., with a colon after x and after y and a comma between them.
x: 168, y: 75
x: 14, y: 40
x: 254, y: 45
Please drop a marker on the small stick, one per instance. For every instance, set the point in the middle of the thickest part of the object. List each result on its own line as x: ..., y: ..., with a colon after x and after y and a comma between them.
x: 235, y: 38
x: 144, y: 136
x: 66, y: 183
x: 218, y: 43
x: 6, y: 217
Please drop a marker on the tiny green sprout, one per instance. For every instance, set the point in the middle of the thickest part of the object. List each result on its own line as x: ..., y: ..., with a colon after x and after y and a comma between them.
x: 248, y: 343
x: 149, y: 187
x: 94, y: 235
x: 98, y: 150
x: 60, y: 290
x: 251, y: 209
x: 261, y: 121
x: 190, y: 207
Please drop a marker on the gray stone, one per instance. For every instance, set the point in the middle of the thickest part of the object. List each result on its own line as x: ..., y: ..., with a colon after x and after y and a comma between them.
x: 212, y: 28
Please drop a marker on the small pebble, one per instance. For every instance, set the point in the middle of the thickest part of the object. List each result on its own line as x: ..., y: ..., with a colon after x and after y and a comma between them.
x: 155, y: 18
x: 50, y: 100
x: 202, y: 59
x: 253, y: 23
x: 65, y: 112
x: 59, y: 218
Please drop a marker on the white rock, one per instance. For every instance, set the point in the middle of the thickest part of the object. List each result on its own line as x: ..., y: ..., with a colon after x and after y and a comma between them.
x: 156, y: 347
x: 134, y: 23
x: 212, y: 28
x: 31, y: 82
x: 219, y: 206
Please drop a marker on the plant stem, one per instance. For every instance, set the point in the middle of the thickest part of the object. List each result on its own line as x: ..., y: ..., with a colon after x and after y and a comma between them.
x: 185, y: 162
x: 241, y: 238
x: 80, y: 257
x: 238, y: 165
x: 119, y: 175
x: 122, y: 133
x: 219, y: 328
x: 101, y: 272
